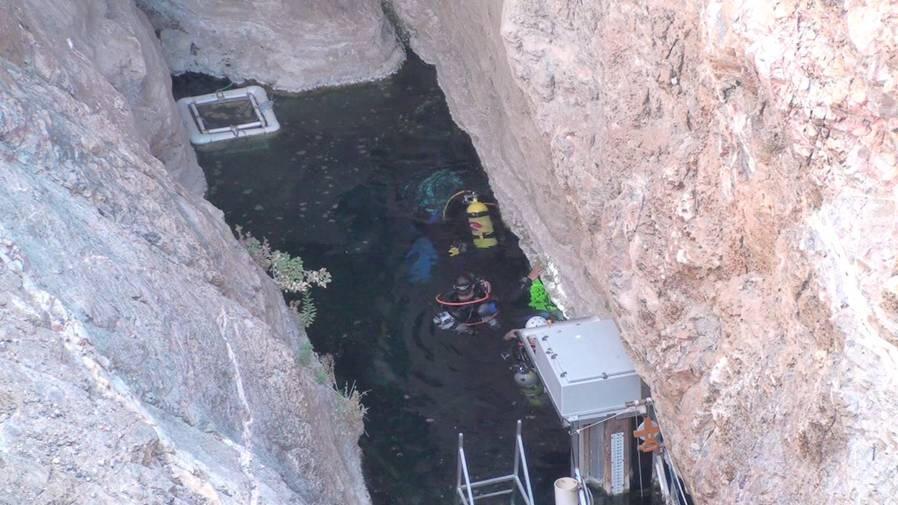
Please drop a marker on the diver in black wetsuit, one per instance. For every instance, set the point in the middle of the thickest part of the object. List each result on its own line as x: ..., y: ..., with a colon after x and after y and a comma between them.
x: 469, y: 304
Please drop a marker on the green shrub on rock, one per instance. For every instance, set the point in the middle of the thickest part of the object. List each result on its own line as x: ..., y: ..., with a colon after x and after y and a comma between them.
x: 288, y: 273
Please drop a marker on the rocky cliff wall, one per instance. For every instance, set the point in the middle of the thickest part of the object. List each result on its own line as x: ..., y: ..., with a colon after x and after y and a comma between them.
x: 292, y: 45
x: 118, y: 41
x: 144, y: 358
x: 720, y: 177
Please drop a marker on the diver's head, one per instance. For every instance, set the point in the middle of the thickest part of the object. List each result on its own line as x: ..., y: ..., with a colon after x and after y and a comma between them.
x: 464, y: 287
x: 536, y: 322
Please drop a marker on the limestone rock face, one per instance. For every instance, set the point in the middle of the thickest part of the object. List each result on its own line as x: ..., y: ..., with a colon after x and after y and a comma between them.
x: 292, y: 45
x: 720, y: 177
x: 144, y: 358
x: 125, y: 65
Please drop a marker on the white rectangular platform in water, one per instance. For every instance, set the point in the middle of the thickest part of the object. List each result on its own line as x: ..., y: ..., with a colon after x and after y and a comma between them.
x: 227, y: 115
x: 584, y: 367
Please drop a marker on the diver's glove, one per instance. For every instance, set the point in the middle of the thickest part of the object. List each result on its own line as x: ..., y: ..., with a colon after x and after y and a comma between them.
x: 444, y: 321
x: 457, y: 248
x: 463, y: 328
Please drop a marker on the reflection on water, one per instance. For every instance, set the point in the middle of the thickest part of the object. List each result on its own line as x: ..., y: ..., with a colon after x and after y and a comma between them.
x: 350, y: 183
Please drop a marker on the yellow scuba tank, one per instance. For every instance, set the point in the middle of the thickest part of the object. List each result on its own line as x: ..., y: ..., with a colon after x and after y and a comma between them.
x: 481, y: 225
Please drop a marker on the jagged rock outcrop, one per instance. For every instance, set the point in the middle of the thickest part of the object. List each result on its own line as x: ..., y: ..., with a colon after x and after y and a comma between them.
x: 292, y: 45
x: 144, y: 358
x: 116, y: 45
x: 721, y: 178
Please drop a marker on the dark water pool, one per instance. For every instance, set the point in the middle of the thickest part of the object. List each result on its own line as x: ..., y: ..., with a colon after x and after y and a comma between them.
x: 339, y: 186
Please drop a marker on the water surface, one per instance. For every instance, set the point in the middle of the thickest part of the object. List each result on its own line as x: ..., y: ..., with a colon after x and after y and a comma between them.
x: 338, y: 186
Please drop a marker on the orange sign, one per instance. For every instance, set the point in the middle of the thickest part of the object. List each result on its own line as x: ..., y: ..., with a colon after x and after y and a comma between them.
x: 647, y: 433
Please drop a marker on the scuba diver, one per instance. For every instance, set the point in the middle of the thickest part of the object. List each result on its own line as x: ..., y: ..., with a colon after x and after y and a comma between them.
x: 525, y: 376
x: 530, y: 290
x: 540, y: 312
x: 469, y: 304
x: 480, y: 225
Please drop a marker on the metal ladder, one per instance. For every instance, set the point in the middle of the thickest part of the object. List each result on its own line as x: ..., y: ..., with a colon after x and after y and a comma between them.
x: 466, y: 490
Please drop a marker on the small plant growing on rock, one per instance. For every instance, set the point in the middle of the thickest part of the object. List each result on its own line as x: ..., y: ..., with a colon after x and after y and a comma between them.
x: 350, y: 407
x: 305, y: 354
x: 288, y: 273
x: 259, y: 251
x: 304, y: 309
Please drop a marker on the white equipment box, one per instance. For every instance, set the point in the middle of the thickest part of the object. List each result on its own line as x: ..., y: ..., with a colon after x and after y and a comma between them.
x: 584, y: 367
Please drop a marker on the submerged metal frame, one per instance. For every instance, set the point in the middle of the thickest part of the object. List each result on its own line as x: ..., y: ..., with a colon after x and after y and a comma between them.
x: 265, y: 122
x: 466, y: 490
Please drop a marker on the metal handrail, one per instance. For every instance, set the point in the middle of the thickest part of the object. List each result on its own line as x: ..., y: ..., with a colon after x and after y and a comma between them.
x: 519, y: 447
x: 465, y: 490
x: 463, y: 467
x: 583, y: 494
x: 675, y: 480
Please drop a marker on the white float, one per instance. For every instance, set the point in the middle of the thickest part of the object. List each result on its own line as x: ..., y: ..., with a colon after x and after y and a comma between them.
x: 262, y: 122
x: 566, y: 491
